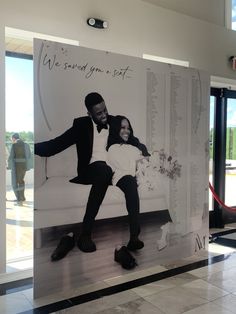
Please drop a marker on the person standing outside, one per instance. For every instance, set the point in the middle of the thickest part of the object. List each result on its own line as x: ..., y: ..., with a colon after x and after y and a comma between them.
x: 18, y: 163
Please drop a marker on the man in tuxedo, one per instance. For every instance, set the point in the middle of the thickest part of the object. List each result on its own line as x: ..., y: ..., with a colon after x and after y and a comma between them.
x: 89, y: 134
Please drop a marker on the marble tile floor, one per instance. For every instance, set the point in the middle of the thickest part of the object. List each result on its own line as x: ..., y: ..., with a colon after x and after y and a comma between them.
x: 19, y: 228
x: 203, y: 283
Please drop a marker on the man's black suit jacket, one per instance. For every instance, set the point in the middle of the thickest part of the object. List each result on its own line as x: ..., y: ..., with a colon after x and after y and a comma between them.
x: 80, y: 134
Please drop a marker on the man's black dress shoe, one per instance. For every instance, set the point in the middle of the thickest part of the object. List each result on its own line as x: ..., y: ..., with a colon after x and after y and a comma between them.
x: 124, y: 257
x: 86, y: 244
x: 65, y: 245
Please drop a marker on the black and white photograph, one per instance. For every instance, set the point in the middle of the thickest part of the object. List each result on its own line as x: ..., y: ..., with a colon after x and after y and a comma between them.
x: 121, y: 164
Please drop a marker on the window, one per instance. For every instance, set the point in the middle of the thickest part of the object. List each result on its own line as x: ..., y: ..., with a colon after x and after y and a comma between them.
x: 233, y: 20
x: 19, y: 119
x: 230, y: 14
x: 166, y: 60
x: 211, y: 145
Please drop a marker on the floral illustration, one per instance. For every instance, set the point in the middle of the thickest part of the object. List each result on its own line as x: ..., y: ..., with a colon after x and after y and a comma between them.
x: 149, y: 170
x: 168, y: 166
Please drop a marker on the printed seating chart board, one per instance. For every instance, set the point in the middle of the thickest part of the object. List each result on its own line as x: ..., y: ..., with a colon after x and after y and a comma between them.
x: 168, y: 107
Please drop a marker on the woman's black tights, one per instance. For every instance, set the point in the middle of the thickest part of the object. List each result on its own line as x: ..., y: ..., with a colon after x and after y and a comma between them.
x: 128, y: 185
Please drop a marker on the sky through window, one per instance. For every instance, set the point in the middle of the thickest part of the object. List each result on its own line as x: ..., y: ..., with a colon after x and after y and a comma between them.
x: 234, y: 14
x: 19, y: 94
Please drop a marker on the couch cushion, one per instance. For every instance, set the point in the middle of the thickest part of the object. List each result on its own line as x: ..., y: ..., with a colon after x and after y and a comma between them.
x: 59, y: 193
x: 63, y: 164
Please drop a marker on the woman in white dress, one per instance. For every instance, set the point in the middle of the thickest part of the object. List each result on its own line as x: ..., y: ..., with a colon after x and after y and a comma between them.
x: 123, y: 152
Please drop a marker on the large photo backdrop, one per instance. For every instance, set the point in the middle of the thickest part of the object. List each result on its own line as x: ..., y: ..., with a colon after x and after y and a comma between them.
x: 167, y: 107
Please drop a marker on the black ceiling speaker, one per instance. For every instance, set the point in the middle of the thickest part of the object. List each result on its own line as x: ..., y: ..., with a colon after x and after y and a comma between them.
x: 96, y: 23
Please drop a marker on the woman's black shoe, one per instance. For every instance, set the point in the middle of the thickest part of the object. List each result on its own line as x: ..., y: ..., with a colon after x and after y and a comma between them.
x: 124, y: 257
x: 65, y: 245
x: 86, y: 244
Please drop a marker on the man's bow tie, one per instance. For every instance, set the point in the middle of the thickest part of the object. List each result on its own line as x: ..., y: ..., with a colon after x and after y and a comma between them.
x: 101, y: 126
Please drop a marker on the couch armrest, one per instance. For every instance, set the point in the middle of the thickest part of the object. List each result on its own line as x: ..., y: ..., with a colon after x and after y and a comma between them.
x: 39, y: 171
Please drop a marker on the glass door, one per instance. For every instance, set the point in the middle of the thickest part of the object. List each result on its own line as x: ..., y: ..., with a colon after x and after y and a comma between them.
x: 19, y: 181
x: 211, y: 145
x: 230, y: 172
x: 223, y: 177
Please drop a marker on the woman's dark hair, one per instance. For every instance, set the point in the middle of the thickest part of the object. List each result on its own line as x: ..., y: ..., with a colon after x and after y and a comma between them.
x: 114, y: 135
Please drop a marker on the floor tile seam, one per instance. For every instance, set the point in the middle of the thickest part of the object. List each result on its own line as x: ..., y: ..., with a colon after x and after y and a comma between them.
x: 205, y: 301
x: 219, y: 297
x: 27, y: 300
x: 210, y: 283
x: 226, y: 275
x: 230, y: 268
x: 149, y: 294
x: 137, y: 297
x: 221, y: 305
x: 149, y: 302
x: 225, y: 270
x: 228, y: 292
x: 187, y: 289
x: 157, y: 292
x: 208, y: 276
x: 195, y: 308
x: 225, y: 291
x: 23, y: 298
x: 223, y: 266
x: 31, y: 300
x: 204, y: 275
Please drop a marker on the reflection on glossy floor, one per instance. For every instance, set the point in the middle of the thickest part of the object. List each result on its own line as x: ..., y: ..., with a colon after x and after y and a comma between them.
x: 208, y: 289
x: 19, y: 226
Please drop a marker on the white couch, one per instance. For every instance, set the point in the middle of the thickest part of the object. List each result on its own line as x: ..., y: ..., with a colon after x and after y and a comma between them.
x: 59, y: 202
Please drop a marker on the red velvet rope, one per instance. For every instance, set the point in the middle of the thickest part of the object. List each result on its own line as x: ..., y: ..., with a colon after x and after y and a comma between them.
x: 219, y: 201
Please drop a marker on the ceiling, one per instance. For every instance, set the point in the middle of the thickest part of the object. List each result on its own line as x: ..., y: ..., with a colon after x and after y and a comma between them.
x: 18, y: 41
x: 18, y: 45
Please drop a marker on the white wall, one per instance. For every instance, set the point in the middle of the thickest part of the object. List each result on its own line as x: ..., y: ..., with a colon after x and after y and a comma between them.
x: 135, y: 27
x: 207, y: 10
